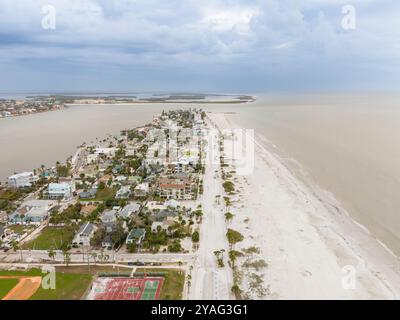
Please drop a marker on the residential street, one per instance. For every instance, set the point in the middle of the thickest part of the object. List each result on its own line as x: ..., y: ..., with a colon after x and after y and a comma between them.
x: 38, y: 256
x: 211, y: 282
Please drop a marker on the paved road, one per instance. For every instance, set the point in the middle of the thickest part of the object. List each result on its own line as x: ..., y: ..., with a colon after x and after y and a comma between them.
x: 209, y: 281
x: 80, y: 159
x: 38, y: 256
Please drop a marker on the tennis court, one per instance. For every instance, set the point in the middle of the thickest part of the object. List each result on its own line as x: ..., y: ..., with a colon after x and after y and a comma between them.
x: 105, y: 288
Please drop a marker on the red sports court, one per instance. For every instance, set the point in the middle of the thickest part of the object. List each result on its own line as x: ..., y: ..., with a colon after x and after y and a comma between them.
x: 127, y: 288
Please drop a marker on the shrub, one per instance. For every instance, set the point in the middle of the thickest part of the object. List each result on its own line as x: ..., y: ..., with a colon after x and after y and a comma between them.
x: 234, y: 236
x: 195, y: 236
x: 228, y: 186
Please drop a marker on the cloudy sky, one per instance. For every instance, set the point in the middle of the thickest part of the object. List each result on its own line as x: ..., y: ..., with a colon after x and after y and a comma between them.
x: 199, y: 45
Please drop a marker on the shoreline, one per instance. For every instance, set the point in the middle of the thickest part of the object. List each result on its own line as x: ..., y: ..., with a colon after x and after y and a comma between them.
x: 300, y: 219
x: 32, y: 113
x: 326, y: 197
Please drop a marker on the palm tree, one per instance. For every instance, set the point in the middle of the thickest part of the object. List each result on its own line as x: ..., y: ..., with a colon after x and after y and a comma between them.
x: 88, y: 259
x: 67, y: 258
x: 94, y: 256
x: 67, y: 255
x: 228, y: 216
x: 52, y: 254
x: 189, y: 283
x: 15, y: 245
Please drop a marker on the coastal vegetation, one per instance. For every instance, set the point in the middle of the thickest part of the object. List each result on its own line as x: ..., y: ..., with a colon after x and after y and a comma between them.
x: 219, y: 254
x: 234, y: 237
x: 228, y: 216
x: 175, y: 246
x: 228, y: 186
x: 233, y: 255
x: 256, y: 264
x: 251, y: 250
x: 195, y: 236
x: 63, y: 170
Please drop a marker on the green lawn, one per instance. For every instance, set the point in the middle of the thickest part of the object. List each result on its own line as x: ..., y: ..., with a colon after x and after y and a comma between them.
x: 20, y: 229
x: 174, y: 280
x: 102, y: 195
x: 6, y: 285
x: 51, y: 238
x: 106, y: 193
x: 69, y: 286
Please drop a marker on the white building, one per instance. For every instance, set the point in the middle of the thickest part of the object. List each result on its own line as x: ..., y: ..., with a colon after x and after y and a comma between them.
x: 59, y: 191
x: 23, y: 179
x: 155, y: 205
x: 84, y: 234
x: 172, y: 203
x: 32, y: 212
x: 109, y: 152
x: 123, y: 193
x: 109, y: 216
x: 141, y: 190
x: 92, y: 158
x: 129, y: 210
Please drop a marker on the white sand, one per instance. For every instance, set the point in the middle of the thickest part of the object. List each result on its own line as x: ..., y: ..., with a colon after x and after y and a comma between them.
x: 305, y: 237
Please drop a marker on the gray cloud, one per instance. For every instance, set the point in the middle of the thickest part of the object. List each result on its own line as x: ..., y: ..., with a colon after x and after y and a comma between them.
x: 200, y: 45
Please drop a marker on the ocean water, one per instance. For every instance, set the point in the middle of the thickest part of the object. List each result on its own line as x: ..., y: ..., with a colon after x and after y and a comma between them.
x: 347, y: 144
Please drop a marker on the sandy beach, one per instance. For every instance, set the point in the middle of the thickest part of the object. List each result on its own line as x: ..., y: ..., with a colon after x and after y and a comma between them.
x: 311, y: 246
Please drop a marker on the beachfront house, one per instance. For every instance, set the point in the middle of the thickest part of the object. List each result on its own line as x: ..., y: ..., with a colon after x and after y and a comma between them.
x: 32, y: 212
x: 107, y: 242
x: 84, y: 234
x: 184, y: 161
x: 136, y: 236
x: 108, y: 152
x: 109, y: 216
x: 129, y: 210
x: 163, y: 214
x: 90, y: 194
x: 59, y: 191
x: 172, y: 204
x: 176, y: 188
x: 155, y: 205
x: 141, y: 190
x: 123, y: 193
x: 21, y: 180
